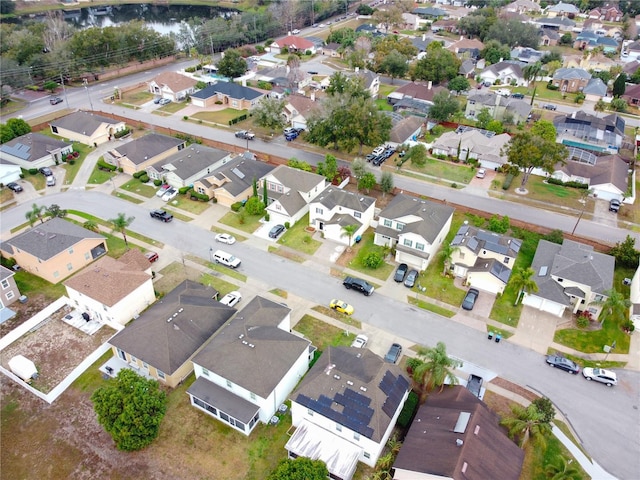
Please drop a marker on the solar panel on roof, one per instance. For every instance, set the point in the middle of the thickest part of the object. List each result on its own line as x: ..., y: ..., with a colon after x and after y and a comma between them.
x: 463, y: 229
x: 486, y: 236
x: 515, y: 245
x: 473, y: 243
x: 496, y: 247
x: 386, y: 384
x: 324, y: 400
x: 403, y: 383
x: 457, y: 240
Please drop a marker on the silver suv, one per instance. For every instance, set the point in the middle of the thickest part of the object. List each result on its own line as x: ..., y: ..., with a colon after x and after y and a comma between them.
x: 601, y: 375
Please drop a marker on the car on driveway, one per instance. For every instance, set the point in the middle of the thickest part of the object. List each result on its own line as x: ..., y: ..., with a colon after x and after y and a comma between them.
x: 358, y: 284
x: 50, y: 181
x: 393, y: 354
x: 164, y: 101
x: 410, y: 280
x: 401, y: 271
x: 614, y: 205
x: 161, y: 215
x: 151, y: 256
x: 14, y: 186
x: 481, y: 173
x: 340, y: 306
x: 289, y: 137
x: 231, y: 299
x: 46, y: 171
x: 601, y: 375
x: 162, y: 190
x: 156, y: 100
x: 360, y: 341
x: 245, y: 135
x: 170, y: 194
x: 470, y: 299
x: 225, y: 238
x: 563, y: 364
x: 276, y: 231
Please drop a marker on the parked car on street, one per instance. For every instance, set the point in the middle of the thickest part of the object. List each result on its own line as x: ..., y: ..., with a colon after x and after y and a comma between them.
x: 55, y: 100
x: 360, y: 341
x: 393, y: 354
x: 470, y: 299
x: 14, y: 187
x: 358, y: 284
x: 231, y: 299
x: 519, y: 96
x: 563, y: 364
x: 276, y: 231
x: 225, y: 238
x: 161, y: 215
x: 411, y: 278
x: 601, y: 375
x: 340, y: 306
x: 245, y: 135
x: 401, y: 271
x: 549, y: 106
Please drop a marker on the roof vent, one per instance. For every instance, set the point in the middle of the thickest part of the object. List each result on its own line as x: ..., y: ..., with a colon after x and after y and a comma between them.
x: 168, y: 319
x: 180, y: 310
x: 241, y: 335
x: 244, y: 342
x: 252, y: 345
x: 337, y: 377
x: 364, y: 389
x: 459, y: 442
x: 476, y: 430
x: 349, y: 382
x: 464, y: 467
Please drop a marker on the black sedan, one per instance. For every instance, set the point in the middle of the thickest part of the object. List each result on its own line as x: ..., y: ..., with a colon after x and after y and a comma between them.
x: 401, y: 271
x: 470, y: 299
x: 563, y: 364
x: 14, y: 186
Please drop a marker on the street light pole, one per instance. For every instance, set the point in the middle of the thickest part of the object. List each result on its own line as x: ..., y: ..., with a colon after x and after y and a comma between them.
x: 86, y: 87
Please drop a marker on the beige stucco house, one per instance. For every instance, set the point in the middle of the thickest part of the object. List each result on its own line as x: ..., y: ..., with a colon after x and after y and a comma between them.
x: 55, y: 249
x: 162, y: 341
x: 113, y: 290
x: 87, y: 128
x: 173, y: 86
x: 137, y: 155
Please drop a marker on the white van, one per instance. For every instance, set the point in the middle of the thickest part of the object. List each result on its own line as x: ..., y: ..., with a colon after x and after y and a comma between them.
x: 226, y: 259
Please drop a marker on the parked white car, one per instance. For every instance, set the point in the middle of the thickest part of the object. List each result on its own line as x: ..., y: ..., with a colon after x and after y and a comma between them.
x: 170, y: 194
x: 601, y: 375
x: 162, y: 190
x: 360, y: 341
x: 225, y: 238
x: 231, y: 299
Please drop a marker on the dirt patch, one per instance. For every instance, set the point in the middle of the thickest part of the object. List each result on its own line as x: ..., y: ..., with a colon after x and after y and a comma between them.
x: 517, y: 389
x: 24, y: 311
x: 56, y: 348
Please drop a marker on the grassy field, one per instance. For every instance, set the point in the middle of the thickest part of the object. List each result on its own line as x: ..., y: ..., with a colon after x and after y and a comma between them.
x: 185, y: 203
x: 444, y: 170
x: 322, y: 334
x: 246, y: 223
x: 594, y: 340
x: 299, y: 239
x: 221, y: 116
x: 363, y: 249
x: 136, y: 186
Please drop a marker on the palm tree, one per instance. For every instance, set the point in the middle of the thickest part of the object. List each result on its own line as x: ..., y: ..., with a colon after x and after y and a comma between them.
x: 120, y: 224
x: 522, y: 281
x: 446, y: 253
x: 527, y: 422
x: 34, y: 213
x: 532, y: 71
x: 435, y: 367
x: 560, y: 469
x: 600, y: 106
x: 349, y: 231
x: 615, y: 306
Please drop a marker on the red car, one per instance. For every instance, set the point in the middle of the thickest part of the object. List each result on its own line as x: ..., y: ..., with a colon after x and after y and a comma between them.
x: 151, y: 256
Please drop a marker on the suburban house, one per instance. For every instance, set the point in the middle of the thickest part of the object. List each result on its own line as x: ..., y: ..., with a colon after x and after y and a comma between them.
x: 9, y: 293
x: 590, y: 132
x: 34, y: 150
x: 506, y: 73
x: 606, y: 175
x: 345, y: 409
x: 484, y: 259
x: 595, y: 90
x: 467, y: 68
x: 456, y: 436
x: 447, y: 25
x: 86, y: 128
x: 9, y: 171
x: 140, y: 153
x: 633, y: 51
x: 173, y: 86
x: 227, y: 95
x: 523, y: 6
x: 499, y: 107
x: 632, y: 95
x: 561, y: 24
x: 589, y: 39
x: 113, y: 290
x: 283, y: 76
x: 290, y: 191
x: 597, y: 62
x: 548, y: 37
x: 297, y: 109
x: 247, y: 371
x: 55, y: 249
x: 571, y: 80
x: 332, y: 49
x: 562, y: 10
x: 634, y: 296
x: 335, y: 208
x: 420, y: 91
x: 415, y: 228
x: 233, y: 181
x: 482, y: 145
x: 467, y: 48
x: 161, y: 342
x: 291, y: 43
x: 406, y: 130
x: 526, y: 54
x: 607, y: 13
x: 570, y: 276
x: 188, y: 165
x: 371, y: 81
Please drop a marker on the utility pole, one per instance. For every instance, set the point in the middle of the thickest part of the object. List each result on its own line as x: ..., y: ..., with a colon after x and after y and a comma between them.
x: 86, y: 87
x: 64, y: 90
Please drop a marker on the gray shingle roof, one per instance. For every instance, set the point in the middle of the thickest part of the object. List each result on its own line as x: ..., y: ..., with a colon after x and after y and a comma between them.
x: 83, y: 122
x: 251, y: 350
x: 32, y: 146
x: 241, y: 172
x: 48, y: 239
x: 571, y: 73
x: 333, y: 197
x: 595, y: 87
x: 230, y: 89
x: 191, y: 160
x: 143, y: 148
x: 167, y: 345
x: 297, y: 180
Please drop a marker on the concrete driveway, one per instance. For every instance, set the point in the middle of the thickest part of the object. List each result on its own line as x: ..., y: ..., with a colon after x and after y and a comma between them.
x: 535, y: 330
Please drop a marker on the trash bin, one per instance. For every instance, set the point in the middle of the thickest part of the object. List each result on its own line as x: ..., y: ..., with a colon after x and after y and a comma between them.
x: 498, y: 338
x: 490, y: 335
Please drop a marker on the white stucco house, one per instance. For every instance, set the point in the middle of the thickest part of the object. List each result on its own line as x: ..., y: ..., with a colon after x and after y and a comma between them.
x: 415, y: 228
x: 335, y: 208
x: 249, y: 368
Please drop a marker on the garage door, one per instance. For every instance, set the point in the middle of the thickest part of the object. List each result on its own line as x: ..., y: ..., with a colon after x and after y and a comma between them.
x: 532, y: 301
x: 553, y: 308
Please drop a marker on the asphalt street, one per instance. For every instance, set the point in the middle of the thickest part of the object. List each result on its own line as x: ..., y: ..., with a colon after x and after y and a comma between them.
x: 606, y: 419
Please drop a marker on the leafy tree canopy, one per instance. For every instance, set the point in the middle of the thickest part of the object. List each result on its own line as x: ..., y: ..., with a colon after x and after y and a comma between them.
x: 232, y: 65
x: 344, y: 36
x: 395, y: 65
x: 545, y: 129
x: 437, y: 66
x: 493, y: 51
x: 620, y: 85
x: 130, y: 408
x: 444, y: 106
x: 528, y: 151
x: 268, y: 113
x: 459, y: 84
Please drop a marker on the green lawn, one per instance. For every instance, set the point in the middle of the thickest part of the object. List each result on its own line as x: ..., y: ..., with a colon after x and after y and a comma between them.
x: 37, y: 179
x: 341, y: 317
x: 420, y: 303
x: 30, y: 284
x: 128, y: 198
x: 453, y: 172
x: 138, y: 97
x: 136, y: 186
x: 222, y: 117
x: 246, y: 223
x: 72, y: 170
x: 179, y: 216
x: 222, y: 286
x: 322, y: 334
x: 363, y: 249
x: 593, y: 341
x: 299, y: 239
x: 172, y: 107
x: 183, y: 202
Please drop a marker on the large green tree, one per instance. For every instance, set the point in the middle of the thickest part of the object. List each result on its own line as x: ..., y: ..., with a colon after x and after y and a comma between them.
x: 459, y: 84
x: 522, y: 280
x: 130, y: 408
x: 268, y: 113
x: 528, y: 152
x: 328, y: 168
x: 386, y: 183
x: 544, y: 129
x: 560, y: 469
x: 625, y: 253
x: 437, y: 66
x: 388, y: 17
x: 446, y: 254
x: 232, y: 65
x: 301, y: 468
x: 614, y: 307
x: 483, y: 118
x: 434, y: 369
x: 494, y: 52
x: 120, y: 224
x: 395, y: 65
x: 367, y: 182
x: 526, y: 422
x: 18, y: 127
x: 444, y: 106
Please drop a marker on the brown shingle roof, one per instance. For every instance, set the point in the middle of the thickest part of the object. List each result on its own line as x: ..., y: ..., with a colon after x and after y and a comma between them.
x: 175, y: 81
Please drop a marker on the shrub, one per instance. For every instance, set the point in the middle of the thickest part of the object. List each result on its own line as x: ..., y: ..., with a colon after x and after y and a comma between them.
x: 183, y: 190
x: 33, y: 171
x: 507, y: 181
x: 454, y: 185
x: 437, y: 130
x: 582, y: 321
x: 139, y: 174
x: 236, y: 206
x: 628, y: 326
x: 373, y: 260
x: 306, y: 239
x: 551, y: 86
x: 157, y: 182
x: 266, y: 216
x: 144, y: 178
x: 409, y: 408
x: 122, y: 133
x: 72, y: 162
x: 199, y: 196
x: 22, y: 175
x: 287, y: 225
x: 254, y: 206
x: 185, y: 117
x: 214, y: 200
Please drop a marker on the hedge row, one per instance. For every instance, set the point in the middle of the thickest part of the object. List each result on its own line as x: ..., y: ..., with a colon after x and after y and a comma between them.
x: 507, y: 181
x: 572, y: 183
x: 106, y: 166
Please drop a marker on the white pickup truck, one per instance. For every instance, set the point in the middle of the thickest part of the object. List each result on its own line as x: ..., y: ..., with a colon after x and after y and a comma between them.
x: 505, y: 92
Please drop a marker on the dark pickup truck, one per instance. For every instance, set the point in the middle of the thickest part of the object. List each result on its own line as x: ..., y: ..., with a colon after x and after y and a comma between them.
x: 474, y: 385
x: 161, y: 215
x: 358, y: 284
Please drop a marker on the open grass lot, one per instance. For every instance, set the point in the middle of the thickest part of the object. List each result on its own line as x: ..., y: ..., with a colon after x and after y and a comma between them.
x: 322, y: 334
x: 592, y: 341
x: 192, y: 206
x: 11, y: 106
x: 172, y: 107
x: 299, y: 239
x: 136, y: 186
x: 98, y: 177
x: 138, y: 97
x: 246, y: 223
x: 456, y: 173
x: 128, y: 198
x: 546, y: 192
x: 346, y: 319
x: 222, y: 117
x: 363, y: 249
